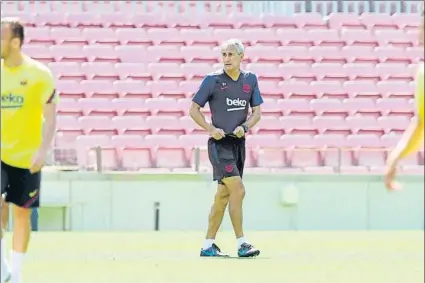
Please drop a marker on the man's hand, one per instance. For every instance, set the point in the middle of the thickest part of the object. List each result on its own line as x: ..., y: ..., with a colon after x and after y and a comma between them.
x: 390, y: 172
x: 239, y: 132
x: 38, y: 160
x: 217, y: 134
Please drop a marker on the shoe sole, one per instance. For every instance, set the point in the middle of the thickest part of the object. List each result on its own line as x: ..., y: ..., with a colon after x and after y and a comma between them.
x: 253, y: 254
x: 214, y: 256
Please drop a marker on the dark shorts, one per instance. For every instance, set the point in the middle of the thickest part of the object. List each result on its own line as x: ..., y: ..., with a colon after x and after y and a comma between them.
x: 227, y: 157
x: 20, y: 186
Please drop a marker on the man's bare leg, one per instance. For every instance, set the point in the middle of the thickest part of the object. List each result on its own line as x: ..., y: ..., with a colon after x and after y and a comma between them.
x: 4, y: 215
x: 21, y: 235
x: 5, y: 271
x: 216, y: 216
x: 237, y: 194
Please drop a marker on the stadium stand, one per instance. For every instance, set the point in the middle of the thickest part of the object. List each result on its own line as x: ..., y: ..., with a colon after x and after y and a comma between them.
x: 338, y: 88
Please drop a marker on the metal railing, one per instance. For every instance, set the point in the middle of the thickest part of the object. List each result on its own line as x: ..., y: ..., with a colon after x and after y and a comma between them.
x: 219, y: 7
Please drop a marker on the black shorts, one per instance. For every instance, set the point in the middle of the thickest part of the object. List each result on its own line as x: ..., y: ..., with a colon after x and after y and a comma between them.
x: 227, y: 156
x: 20, y: 186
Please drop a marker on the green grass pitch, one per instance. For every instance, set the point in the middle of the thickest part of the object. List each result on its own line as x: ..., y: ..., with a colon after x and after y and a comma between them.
x: 173, y: 257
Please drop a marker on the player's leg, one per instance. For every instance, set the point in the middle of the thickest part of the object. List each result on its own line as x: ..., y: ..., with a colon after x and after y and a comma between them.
x: 5, y: 271
x: 237, y: 193
x: 25, y: 191
x: 221, y: 199
x: 4, y: 215
x: 215, y: 218
x: 234, y: 184
x: 218, y: 208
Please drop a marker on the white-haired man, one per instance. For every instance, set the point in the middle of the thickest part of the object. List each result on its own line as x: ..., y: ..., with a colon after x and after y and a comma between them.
x: 230, y: 92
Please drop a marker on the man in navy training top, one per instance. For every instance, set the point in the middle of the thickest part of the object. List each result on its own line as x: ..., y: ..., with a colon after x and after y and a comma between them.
x: 229, y: 92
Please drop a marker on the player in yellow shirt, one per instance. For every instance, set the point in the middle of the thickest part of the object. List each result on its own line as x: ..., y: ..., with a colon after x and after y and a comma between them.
x: 413, y: 137
x: 28, y: 99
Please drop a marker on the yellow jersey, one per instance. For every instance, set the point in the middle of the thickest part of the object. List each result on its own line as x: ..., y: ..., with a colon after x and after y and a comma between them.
x: 24, y: 92
x: 419, y: 95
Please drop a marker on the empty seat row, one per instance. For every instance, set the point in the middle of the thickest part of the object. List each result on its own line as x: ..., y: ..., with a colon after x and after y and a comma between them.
x: 152, y: 54
x: 305, y: 141
x: 189, y: 70
x: 170, y: 104
x: 123, y: 6
x: 155, y: 36
x: 135, y: 15
x: 269, y: 125
x: 137, y: 88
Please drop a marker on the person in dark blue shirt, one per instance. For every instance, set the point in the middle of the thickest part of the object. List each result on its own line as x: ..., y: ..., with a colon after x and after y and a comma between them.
x: 230, y: 93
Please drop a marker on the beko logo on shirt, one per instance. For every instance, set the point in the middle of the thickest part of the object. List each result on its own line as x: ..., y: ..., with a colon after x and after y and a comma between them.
x: 238, y: 104
x: 12, y: 101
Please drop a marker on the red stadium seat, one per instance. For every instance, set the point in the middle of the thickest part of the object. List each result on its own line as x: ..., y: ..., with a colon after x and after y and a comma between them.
x: 199, y: 54
x: 84, y: 20
x: 301, y: 71
x: 99, y: 35
x: 328, y: 89
x: 358, y: 37
x: 366, y: 140
x: 68, y: 53
x: 134, y: 153
x: 112, y: 19
x: 391, y: 123
x: 380, y: 21
x: 164, y: 54
x: 392, y: 54
x: 195, y: 37
x: 195, y: 70
x: 296, y: 107
x: 327, y: 107
x: 270, y: 126
x: 265, y: 71
x: 166, y: 71
x: 297, y: 125
x: 361, y: 89
x: 97, y: 125
x: 327, y: 54
x: 165, y: 125
x: 333, y: 124
x: 193, y: 141
x: 271, y: 157
x: 395, y: 89
x: 67, y: 70
x: 130, y: 88
x: 309, y: 21
x: 124, y: 123
x: 348, y: 21
x: 70, y: 89
x: 167, y: 37
x: 361, y: 71
x: 100, y: 71
x: 393, y: 37
x: 99, y: 88
x: 131, y: 107
x: 278, y: 21
x: 261, y: 36
x: 359, y: 54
